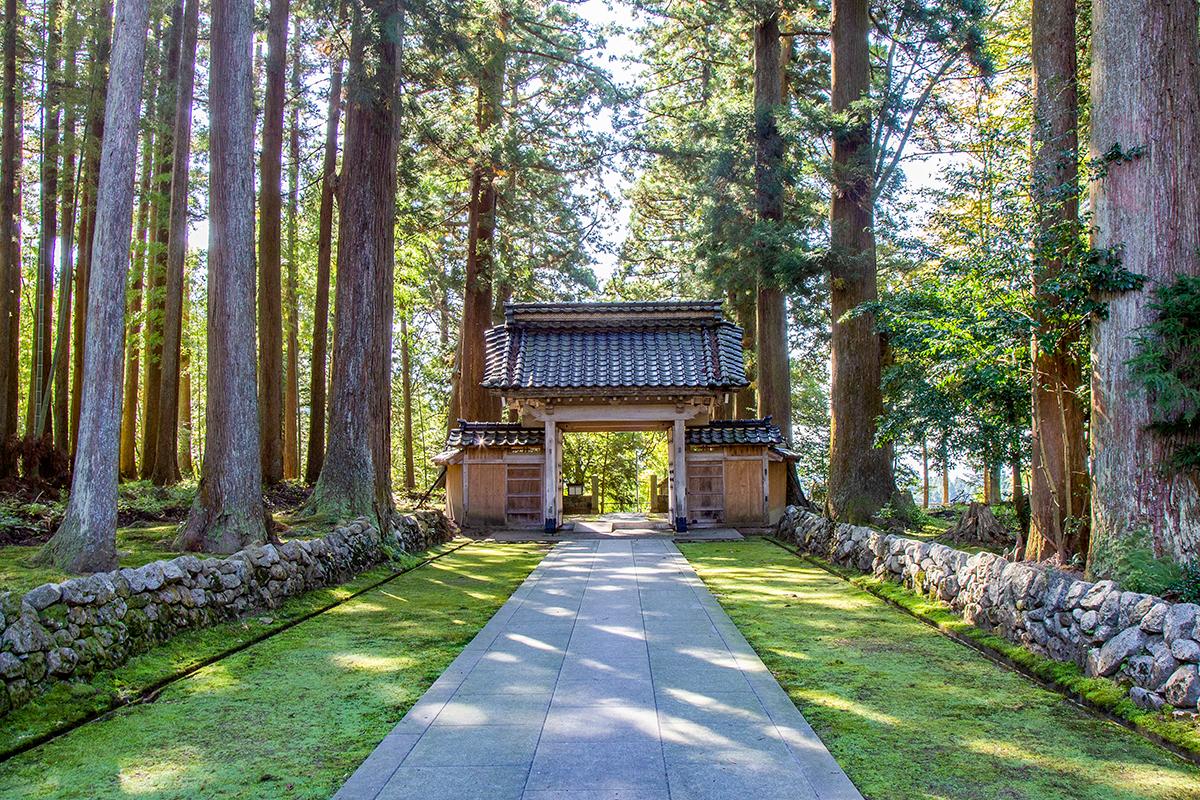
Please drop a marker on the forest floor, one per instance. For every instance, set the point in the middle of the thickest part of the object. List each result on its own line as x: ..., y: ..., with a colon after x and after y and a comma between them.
x: 909, y: 713
x: 936, y: 521
x: 148, y: 517
x: 290, y: 716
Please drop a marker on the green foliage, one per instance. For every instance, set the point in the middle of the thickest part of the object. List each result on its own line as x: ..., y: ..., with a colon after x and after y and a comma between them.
x: 318, y: 696
x: 1188, y: 585
x: 1116, y: 154
x: 1130, y: 561
x: 1167, y: 365
x: 910, y: 713
x: 144, y: 500
x: 621, y: 463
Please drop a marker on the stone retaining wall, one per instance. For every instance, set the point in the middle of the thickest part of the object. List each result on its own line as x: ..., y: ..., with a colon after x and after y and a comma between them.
x: 1141, y: 639
x: 82, y: 625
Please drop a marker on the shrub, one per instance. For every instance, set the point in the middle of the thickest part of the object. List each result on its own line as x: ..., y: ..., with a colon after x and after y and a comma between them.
x: 1130, y: 561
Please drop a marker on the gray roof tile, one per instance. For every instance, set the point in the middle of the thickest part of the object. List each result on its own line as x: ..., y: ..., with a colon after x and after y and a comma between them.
x: 680, y: 345
x: 736, y: 432
x: 494, y: 434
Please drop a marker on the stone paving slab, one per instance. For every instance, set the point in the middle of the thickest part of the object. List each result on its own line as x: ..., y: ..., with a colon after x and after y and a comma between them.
x: 621, y: 534
x: 610, y: 674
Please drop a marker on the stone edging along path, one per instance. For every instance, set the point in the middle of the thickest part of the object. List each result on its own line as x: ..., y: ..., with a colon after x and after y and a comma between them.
x: 1140, y: 638
x: 60, y: 631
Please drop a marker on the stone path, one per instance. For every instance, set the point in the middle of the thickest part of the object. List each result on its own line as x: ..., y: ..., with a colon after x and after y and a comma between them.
x: 610, y: 674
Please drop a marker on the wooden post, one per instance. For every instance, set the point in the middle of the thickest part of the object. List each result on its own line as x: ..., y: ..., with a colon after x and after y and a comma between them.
x: 558, y: 482
x: 595, y: 494
x: 653, y: 490
x: 679, y: 470
x: 550, y: 478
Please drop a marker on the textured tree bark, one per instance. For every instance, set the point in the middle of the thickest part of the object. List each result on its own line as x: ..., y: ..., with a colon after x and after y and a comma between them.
x: 10, y: 267
x: 771, y: 352
x: 62, y: 401
x: 860, y: 474
x: 410, y: 480
x: 356, y: 478
x: 86, y: 540
x: 155, y: 279
x: 924, y: 473
x: 1145, y: 96
x: 993, y: 484
x: 166, y: 459
x: 86, y: 216
x: 129, y: 398
x: 1020, y: 505
x: 291, y: 389
x: 1058, y: 479
x: 745, y: 402
x: 474, y: 401
x: 37, y: 420
x: 270, y: 308
x: 97, y: 78
x: 137, y: 280
x: 945, y: 478
x: 228, y: 512
x: 320, y: 335
x: 186, y: 468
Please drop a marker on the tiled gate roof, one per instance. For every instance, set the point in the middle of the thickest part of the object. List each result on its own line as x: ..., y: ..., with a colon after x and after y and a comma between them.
x: 736, y: 432
x: 494, y: 434
x: 649, y: 345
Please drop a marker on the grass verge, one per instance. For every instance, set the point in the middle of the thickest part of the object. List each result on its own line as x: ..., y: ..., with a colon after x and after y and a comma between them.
x: 68, y: 704
x: 291, y: 716
x: 909, y: 713
x: 1100, y: 694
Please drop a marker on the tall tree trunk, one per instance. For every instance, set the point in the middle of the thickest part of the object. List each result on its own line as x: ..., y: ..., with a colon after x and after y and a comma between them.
x: 79, y: 286
x: 10, y: 267
x: 771, y: 353
x: 160, y: 217
x: 86, y: 540
x: 410, y: 480
x: 37, y: 418
x: 993, y: 484
x: 291, y: 389
x: 137, y: 279
x: 166, y: 459
x: 97, y: 78
x: 133, y: 337
x: 185, y: 394
x: 1149, y: 207
x: 356, y: 478
x: 1020, y: 503
x: 270, y: 311
x: 474, y: 401
x: 745, y: 402
x: 1058, y: 478
x: 320, y: 336
x: 924, y: 473
x: 14, y: 321
x: 228, y: 512
x: 945, y: 465
x: 70, y: 188
x: 860, y: 474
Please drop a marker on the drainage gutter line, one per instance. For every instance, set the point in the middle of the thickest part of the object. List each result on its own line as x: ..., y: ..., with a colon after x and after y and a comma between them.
x: 150, y: 693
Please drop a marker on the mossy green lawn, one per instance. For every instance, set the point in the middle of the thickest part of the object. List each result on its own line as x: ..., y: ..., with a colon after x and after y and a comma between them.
x: 909, y: 713
x: 135, y: 546
x: 291, y: 716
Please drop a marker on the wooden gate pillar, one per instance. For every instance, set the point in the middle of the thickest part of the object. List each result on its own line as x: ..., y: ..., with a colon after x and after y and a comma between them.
x: 679, y: 473
x: 550, y: 478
